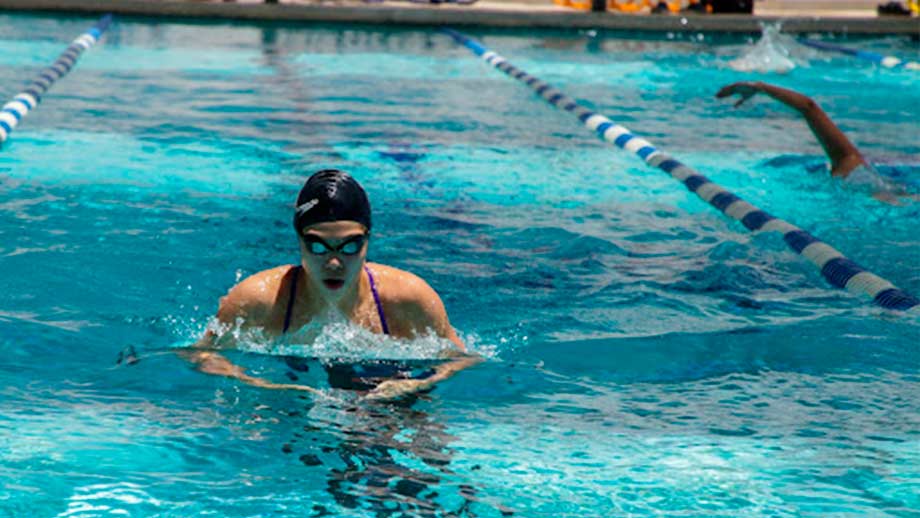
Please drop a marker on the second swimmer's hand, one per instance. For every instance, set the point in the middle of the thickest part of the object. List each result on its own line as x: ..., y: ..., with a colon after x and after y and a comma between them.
x: 744, y: 88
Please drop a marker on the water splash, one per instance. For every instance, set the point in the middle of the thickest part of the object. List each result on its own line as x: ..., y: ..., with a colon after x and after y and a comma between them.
x: 332, y: 338
x: 769, y: 54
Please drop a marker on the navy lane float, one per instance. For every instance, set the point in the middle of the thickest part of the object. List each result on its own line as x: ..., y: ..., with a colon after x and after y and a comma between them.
x: 13, y: 112
x: 879, y: 59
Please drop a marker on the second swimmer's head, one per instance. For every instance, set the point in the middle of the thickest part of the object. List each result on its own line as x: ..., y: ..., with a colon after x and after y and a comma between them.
x: 331, y: 195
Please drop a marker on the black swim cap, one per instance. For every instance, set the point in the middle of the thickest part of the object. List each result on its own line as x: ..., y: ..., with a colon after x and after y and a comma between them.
x: 331, y: 195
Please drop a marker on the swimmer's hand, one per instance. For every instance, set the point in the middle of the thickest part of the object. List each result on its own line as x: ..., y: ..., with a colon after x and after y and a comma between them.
x: 395, y: 389
x: 744, y: 88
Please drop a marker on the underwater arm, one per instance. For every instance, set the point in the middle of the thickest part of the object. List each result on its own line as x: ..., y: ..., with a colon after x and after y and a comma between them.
x: 427, y: 313
x: 460, y: 361
x: 397, y: 388
x: 459, y: 358
x: 237, y: 307
x: 209, y: 361
x: 844, y: 156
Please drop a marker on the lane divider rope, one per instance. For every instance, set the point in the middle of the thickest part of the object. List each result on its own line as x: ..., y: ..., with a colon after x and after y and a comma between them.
x: 837, y: 269
x: 14, y: 111
x: 875, y: 57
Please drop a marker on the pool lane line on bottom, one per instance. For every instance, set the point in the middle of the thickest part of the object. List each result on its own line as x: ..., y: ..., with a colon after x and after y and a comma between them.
x: 13, y: 112
x: 880, y: 59
x: 837, y: 269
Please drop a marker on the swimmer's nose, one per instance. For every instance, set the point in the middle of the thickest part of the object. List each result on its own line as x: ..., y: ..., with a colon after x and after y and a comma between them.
x: 334, y: 264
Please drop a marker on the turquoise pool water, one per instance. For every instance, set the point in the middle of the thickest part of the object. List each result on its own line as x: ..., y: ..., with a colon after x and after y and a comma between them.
x: 646, y: 356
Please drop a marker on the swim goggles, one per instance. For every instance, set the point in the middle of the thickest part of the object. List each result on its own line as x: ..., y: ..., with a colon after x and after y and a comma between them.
x: 316, y: 245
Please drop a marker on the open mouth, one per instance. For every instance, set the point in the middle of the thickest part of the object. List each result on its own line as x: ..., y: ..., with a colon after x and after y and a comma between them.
x: 333, y: 284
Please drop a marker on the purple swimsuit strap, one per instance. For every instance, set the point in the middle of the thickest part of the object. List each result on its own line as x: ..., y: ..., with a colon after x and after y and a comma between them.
x: 383, y: 319
x: 293, y: 295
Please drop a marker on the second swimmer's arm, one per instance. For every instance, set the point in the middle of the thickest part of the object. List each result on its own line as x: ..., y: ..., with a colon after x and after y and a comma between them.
x: 844, y: 156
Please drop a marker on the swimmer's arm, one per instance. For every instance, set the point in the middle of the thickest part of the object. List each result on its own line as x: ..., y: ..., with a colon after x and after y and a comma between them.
x: 426, y: 313
x: 214, y: 363
x: 461, y: 361
x: 209, y: 361
x: 844, y: 156
x: 459, y: 358
x: 238, y: 305
x: 397, y: 388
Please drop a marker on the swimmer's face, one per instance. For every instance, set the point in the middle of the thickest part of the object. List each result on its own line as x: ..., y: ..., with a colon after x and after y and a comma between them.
x: 333, y: 253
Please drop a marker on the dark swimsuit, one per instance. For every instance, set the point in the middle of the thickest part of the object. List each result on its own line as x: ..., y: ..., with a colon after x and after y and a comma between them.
x: 350, y: 376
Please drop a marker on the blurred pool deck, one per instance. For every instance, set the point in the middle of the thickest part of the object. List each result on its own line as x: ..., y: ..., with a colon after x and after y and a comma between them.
x: 837, y: 16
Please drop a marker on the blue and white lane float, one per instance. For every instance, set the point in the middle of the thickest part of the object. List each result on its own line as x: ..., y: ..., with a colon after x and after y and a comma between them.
x: 875, y: 57
x: 837, y: 269
x: 13, y: 112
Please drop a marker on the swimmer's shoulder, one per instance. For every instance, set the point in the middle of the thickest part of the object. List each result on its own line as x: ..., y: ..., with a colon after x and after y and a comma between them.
x: 255, y: 298
x: 411, y: 304
x: 399, y: 287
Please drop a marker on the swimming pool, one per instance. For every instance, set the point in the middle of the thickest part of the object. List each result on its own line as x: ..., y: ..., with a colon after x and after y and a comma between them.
x: 646, y: 354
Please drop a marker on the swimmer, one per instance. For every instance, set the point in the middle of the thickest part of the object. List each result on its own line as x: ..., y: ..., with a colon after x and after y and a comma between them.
x: 845, y: 159
x: 332, y: 219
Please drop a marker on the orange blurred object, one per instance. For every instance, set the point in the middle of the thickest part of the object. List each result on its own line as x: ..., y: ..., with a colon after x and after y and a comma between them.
x: 582, y: 5
x: 623, y: 6
x: 628, y: 6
